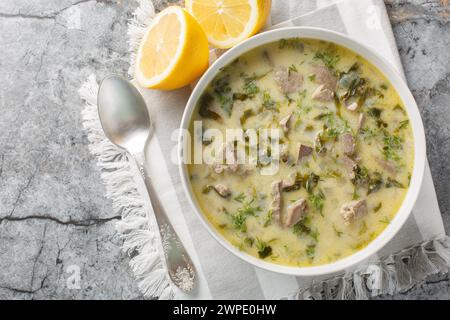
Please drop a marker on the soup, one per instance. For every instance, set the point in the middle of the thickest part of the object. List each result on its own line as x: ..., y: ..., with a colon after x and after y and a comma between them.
x: 344, y: 157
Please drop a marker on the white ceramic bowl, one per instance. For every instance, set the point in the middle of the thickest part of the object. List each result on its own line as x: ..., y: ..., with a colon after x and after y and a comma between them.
x: 415, y: 120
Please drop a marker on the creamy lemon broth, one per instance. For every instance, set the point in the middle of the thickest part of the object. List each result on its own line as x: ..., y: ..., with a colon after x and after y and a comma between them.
x: 282, y: 79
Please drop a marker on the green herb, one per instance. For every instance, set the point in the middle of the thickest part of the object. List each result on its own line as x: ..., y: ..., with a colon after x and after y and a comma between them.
x: 289, y: 99
x: 226, y: 103
x: 304, y: 109
x: 249, y: 241
x: 333, y: 174
x: 311, y: 251
x: 403, y: 124
x: 368, y: 133
x: 267, y: 219
x: 292, y: 68
x: 399, y: 108
x: 361, y: 176
x: 240, y: 217
x: 311, y: 182
x: 240, y: 96
x: 328, y: 116
x: 247, y: 114
x: 204, y: 111
x: 264, y: 250
x: 327, y: 58
x: 239, y: 221
x: 312, y: 77
x: 250, y: 87
x: 385, y: 220
x: 375, y: 183
x: 248, y: 209
x: 301, y: 227
x: 393, y: 183
x: 337, y: 104
x: 374, y: 112
x: 293, y: 43
x: 355, y: 195
x: 240, y: 197
x: 392, y: 144
x: 338, y: 233
x: 363, y: 228
x: 331, y: 133
x: 317, y: 201
x: 378, y: 207
x: 354, y: 88
x: 222, y: 90
x: 319, y: 143
x: 384, y: 86
x: 207, y: 188
x: 268, y: 102
x: 315, y: 235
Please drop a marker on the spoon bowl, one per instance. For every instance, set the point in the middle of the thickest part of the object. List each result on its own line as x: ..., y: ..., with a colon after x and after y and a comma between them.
x: 123, y: 114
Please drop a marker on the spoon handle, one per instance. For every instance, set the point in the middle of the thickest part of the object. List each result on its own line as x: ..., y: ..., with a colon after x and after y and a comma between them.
x: 179, y: 265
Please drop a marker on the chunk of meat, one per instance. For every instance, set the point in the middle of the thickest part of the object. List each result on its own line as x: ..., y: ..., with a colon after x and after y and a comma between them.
x: 324, y: 76
x: 349, y: 166
x: 295, y: 212
x: 288, y: 81
x: 322, y: 94
x: 226, y: 159
x: 386, y: 165
x: 361, y: 121
x: 353, y: 210
x: 222, y: 190
x: 352, y: 106
x: 284, y: 123
x: 348, y: 143
x: 276, y: 201
x: 303, y: 151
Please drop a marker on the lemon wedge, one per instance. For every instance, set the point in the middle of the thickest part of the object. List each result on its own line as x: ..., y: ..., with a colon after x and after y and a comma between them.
x: 173, y: 52
x: 229, y: 22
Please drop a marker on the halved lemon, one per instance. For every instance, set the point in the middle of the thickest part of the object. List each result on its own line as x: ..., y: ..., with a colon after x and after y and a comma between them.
x: 173, y: 52
x: 228, y: 22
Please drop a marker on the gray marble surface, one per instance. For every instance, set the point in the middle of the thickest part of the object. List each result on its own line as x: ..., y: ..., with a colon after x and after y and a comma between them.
x: 54, y: 219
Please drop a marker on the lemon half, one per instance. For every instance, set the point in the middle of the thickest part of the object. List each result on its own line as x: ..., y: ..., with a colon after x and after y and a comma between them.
x: 229, y: 22
x: 173, y: 52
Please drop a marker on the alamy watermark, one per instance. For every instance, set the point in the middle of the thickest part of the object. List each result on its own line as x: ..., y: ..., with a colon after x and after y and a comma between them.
x: 231, y: 149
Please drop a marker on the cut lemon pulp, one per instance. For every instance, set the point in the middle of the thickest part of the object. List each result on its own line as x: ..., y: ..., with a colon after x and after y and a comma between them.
x: 173, y: 52
x: 228, y: 22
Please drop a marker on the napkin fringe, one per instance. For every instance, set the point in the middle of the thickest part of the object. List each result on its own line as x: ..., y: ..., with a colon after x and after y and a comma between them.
x: 140, y: 237
x: 397, y: 273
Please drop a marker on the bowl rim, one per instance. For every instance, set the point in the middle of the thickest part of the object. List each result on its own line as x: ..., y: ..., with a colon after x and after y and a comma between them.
x: 411, y: 108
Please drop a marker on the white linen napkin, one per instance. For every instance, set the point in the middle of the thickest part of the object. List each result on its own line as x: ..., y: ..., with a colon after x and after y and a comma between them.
x: 221, y: 274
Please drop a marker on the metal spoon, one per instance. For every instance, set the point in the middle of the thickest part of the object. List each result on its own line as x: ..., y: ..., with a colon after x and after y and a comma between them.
x: 126, y: 122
